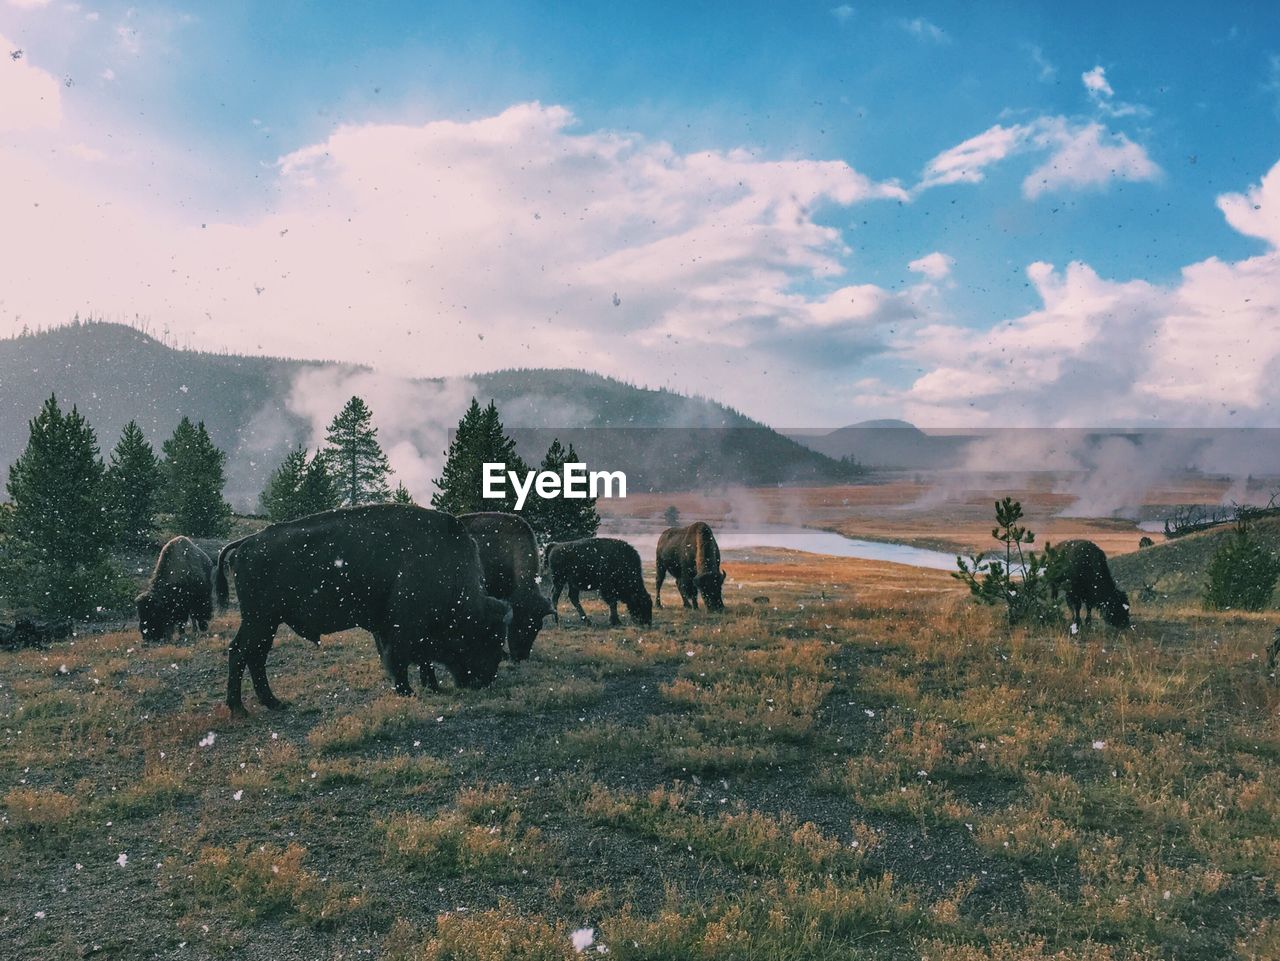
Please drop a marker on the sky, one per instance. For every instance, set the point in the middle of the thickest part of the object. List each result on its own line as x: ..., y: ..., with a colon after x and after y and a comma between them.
x: 1002, y: 214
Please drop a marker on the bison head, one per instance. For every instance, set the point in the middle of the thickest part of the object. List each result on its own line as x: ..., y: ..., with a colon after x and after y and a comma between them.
x: 152, y: 621
x: 476, y: 665
x: 528, y: 609
x: 710, y: 584
x: 1115, y: 611
x: 640, y: 607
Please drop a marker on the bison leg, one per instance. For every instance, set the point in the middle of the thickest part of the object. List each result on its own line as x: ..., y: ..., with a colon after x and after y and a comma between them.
x: 427, y: 672
x: 249, y: 649
x: 258, y: 673
x: 573, y: 599
x: 688, y: 592
x: 395, y: 664
x: 556, y: 587
x: 662, y: 576
x: 1273, y: 652
x: 614, y: 619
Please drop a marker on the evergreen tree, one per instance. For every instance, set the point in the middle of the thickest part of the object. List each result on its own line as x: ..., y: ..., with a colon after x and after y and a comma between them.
x: 317, y: 492
x: 480, y: 439
x: 401, y: 495
x: 298, y: 487
x: 279, y: 499
x: 133, y: 485
x: 59, y: 529
x: 671, y: 515
x: 355, y: 458
x: 561, y: 519
x: 193, y: 478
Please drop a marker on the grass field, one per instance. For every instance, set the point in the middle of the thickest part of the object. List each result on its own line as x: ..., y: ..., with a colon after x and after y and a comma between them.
x: 864, y: 765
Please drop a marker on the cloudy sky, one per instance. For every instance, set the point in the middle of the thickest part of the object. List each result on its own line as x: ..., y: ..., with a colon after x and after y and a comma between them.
x: 1014, y: 214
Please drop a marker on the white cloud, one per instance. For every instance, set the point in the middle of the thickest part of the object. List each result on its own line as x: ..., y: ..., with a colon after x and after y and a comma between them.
x: 1095, y: 81
x: 452, y: 246
x: 1086, y: 156
x: 29, y: 97
x: 967, y: 161
x: 1080, y: 155
x: 29, y: 4
x: 935, y: 266
x: 1203, y: 350
x: 922, y: 29
x: 1100, y: 93
x: 1047, y: 70
x: 844, y: 13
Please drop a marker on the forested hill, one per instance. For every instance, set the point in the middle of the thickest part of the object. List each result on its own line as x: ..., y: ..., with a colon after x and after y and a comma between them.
x: 114, y: 373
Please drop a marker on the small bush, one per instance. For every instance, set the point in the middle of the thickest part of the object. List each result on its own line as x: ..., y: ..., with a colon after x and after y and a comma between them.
x: 1242, y: 574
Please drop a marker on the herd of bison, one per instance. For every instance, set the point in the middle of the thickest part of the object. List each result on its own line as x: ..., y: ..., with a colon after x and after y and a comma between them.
x: 463, y: 591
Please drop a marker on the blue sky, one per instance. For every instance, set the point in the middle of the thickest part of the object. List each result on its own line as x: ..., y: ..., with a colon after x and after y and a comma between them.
x: 1108, y: 134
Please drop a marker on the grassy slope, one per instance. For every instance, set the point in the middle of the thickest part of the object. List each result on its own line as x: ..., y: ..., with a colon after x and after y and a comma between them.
x: 1176, y: 569
x: 864, y: 766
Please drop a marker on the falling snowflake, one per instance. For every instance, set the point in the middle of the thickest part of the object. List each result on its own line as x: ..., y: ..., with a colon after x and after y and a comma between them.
x: 583, y: 938
x: 1099, y: 745
x: 239, y: 794
x: 208, y: 739
x: 123, y: 859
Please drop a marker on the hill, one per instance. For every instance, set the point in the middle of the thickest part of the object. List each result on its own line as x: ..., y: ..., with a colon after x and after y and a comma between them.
x: 114, y: 373
x: 890, y: 444
x: 1177, y: 569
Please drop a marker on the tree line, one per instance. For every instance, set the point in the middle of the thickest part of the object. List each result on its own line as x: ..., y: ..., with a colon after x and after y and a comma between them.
x: 70, y: 513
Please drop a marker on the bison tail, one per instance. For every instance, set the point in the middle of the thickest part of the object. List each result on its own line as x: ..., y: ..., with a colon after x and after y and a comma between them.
x: 220, y: 579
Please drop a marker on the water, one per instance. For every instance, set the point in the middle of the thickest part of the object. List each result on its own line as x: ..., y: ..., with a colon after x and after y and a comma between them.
x: 811, y: 542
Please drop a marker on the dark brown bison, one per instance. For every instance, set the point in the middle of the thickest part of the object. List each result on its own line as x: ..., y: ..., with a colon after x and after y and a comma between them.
x: 408, y: 575
x: 602, y: 564
x: 691, y: 555
x: 180, y: 589
x: 509, y: 556
x: 1079, y: 569
x: 1273, y: 652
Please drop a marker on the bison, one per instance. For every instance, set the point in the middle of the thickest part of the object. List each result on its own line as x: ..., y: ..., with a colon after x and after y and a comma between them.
x: 180, y: 589
x: 1080, y: 569
x: 1273, y: 652
x: 509, y: 556
x: 602, y: 564
x: 692, y: 557
x: 408, y: 575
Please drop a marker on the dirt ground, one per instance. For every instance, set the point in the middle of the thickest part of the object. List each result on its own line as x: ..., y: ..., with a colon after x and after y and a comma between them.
x: 853, y: 761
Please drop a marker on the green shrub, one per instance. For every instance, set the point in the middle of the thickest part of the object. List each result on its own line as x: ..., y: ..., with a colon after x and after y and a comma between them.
x: 1242, y: 574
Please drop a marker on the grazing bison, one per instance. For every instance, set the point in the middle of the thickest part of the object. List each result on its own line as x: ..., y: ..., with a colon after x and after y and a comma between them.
x: 602, y: 564
x: 692, y: 557
x: 409, y: 576
x: 509, y: 556
x: 1080, y: 569
x: 180, y: 589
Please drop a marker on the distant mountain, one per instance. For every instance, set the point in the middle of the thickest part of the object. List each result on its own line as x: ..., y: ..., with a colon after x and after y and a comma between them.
x: 893, y: 444
x: 115, y: 373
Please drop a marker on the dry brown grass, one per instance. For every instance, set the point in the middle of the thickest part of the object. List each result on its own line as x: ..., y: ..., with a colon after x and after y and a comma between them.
x: 866, y: 766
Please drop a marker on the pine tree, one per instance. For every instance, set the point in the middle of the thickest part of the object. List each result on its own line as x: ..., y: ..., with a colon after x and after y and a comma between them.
x: 133, y: 486
x: 355, y: 458
x: 279, y: 499
x: 561, y: 519
x: 298, y: 487
x: 59, y: 529
x: 480, y: 439
x: 317, y: 492
x: 401, y: 495
x: 193, y: 478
